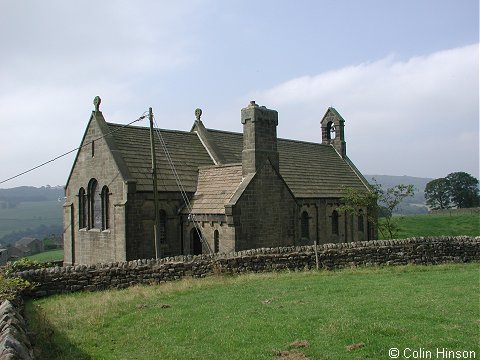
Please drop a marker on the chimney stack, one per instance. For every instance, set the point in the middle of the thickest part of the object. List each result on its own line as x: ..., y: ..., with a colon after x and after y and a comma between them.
x: 259, y: 138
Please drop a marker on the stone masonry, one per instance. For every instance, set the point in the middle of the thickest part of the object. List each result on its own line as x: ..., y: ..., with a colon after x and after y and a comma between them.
x: 420, y: 251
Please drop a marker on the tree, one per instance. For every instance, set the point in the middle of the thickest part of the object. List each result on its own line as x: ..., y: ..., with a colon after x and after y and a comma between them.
x: 378, y: 201
x: 390, y: 198
x: 463, y: 190
x: 437, y: 194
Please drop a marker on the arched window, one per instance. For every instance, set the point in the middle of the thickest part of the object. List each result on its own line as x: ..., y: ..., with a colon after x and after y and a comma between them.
x: 360, y: 221
x: 216, y: 241
x: 331, y: 133
x: 305, y: 226
x: 105, y: 208
x: 162, y: 226
x: 82, y: 213
x: 94, y: 205
x: 195, y: 242
x: 335, y: 222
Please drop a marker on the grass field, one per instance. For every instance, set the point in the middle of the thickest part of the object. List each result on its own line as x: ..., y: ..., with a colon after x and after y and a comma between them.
x: 52, y: 255
x: 435, y: 225
x: 260, y: 316
x: 30, y: 215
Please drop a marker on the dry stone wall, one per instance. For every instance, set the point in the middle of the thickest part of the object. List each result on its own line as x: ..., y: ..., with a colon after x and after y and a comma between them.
x: 15, y: 344
x: 14, y: 341
x: 424, y: 251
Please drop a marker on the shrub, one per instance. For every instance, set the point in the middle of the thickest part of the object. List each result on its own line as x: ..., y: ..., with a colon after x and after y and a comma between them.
x: 22, y: 265
x: 11, y: 287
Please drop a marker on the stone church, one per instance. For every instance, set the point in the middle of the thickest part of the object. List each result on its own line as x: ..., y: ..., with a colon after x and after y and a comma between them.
x: 217, y: 191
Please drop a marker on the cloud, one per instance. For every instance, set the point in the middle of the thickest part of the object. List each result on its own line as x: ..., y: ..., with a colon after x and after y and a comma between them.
x: 417, y: 116
x: 56, y: 56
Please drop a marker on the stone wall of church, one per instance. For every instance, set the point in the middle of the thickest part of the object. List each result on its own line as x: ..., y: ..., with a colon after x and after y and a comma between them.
x: 321, y: 223
x: 90, y: 244
x: 141, y: 221
x: 208, y: 225
x: 265, y: 215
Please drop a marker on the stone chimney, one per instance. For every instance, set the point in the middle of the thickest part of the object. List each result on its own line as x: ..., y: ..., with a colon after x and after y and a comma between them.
x: 259, y: 138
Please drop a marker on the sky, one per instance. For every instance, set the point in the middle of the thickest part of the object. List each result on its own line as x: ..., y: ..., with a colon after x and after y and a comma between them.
x: 404, y: 74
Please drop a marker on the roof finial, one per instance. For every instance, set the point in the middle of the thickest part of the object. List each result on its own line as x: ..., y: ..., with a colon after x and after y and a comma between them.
x: 97, y: 102
x: 198, y: 114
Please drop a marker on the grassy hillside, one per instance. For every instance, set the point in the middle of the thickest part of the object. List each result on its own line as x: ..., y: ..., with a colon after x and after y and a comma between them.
x: 437, y: 225
x: 263, y: 316
x: 47, y: 256
x: 30, y: 215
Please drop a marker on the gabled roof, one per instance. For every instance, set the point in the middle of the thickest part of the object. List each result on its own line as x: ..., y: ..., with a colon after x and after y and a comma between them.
x: 25, y: 241
x: 309, y: 169
x: 97, y: 118
x: 185, y: 149
x: 331, y: 111
x: 216, y: 186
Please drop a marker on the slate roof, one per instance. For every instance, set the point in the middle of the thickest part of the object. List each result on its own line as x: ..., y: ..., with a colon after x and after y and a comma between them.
x: 26, y: 241
x: 216, y: 186
x: 185, y: 149
x: 309, y: 169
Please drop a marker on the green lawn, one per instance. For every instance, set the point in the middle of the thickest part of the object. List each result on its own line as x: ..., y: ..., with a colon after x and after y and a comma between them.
x: 259, y: 315
x: 435, y: 225
x: 47, y: 256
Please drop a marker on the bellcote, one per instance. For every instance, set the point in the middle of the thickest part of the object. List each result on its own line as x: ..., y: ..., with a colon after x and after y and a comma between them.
x: 333, y: 131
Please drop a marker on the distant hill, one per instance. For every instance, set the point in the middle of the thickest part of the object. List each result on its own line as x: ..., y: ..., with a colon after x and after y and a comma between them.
x: 29, y: 211
x: 391, y: 180
x: 413, y: 205
x: 10, y: 198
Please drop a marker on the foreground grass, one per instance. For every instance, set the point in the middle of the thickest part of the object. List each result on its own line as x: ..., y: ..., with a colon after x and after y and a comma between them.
x: 438, y: 225
x: 52, y: 255
x: 250, y: 316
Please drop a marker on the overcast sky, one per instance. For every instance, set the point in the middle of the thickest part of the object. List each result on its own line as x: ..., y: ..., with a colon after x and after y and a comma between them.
x: 404, y: 74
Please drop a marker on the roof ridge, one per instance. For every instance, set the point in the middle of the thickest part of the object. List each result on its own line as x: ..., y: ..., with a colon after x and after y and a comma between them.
x: 283, y: 139
x: 219, y: 166
x: 147, y: 128
x: 225, y: 131
x: 303, y: 142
